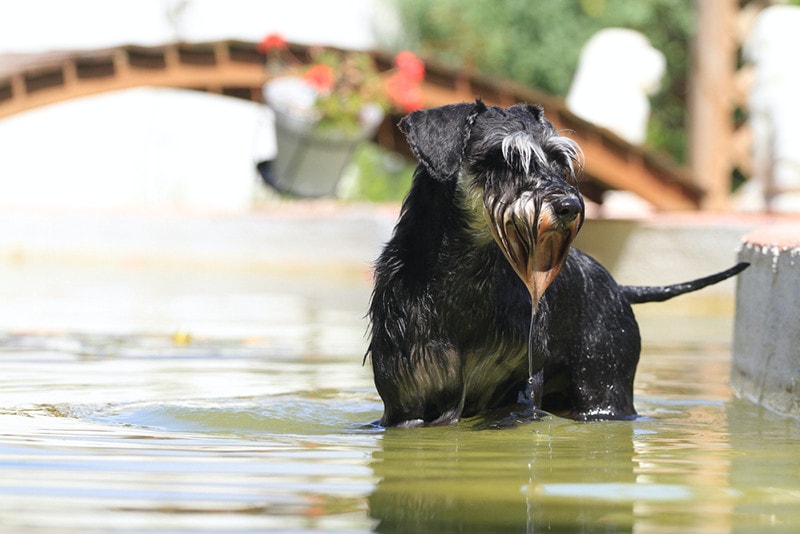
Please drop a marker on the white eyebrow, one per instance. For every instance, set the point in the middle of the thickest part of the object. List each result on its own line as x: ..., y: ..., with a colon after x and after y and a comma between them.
x: 570, y: 150
x: 525, y: 146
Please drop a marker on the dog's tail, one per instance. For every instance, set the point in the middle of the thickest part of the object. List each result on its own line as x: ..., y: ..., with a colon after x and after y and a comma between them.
x: 640, y: 294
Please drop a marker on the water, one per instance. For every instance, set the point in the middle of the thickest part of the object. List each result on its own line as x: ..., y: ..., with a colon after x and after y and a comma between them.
x: 136, y: 401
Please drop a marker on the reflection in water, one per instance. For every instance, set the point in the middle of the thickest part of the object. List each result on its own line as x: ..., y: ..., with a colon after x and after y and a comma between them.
x: 460, y: 479
x: 692, y: 462
x: 254, y: 420
x: 765, y: 466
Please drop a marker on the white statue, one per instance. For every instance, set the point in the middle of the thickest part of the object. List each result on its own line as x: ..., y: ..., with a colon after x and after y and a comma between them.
x: 617, y: 72
x: 774, y: 112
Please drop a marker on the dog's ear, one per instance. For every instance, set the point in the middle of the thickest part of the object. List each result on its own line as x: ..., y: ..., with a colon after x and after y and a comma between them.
x: 438, y: 136
x: 534, y: 110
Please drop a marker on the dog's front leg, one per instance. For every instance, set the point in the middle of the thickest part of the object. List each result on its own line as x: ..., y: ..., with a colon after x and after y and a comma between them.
x: 424, y: 387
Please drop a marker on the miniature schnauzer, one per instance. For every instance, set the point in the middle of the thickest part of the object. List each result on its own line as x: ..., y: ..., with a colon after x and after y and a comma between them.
x: 479, y: 296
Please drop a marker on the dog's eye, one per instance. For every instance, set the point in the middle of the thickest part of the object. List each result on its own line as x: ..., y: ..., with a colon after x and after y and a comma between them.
x: 569, y: 170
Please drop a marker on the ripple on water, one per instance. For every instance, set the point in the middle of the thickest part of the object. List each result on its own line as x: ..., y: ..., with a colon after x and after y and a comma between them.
x: 222, y: 464
x: 316, y: 413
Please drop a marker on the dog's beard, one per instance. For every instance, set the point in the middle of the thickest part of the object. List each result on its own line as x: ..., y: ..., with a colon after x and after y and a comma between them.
x: 533, y: 239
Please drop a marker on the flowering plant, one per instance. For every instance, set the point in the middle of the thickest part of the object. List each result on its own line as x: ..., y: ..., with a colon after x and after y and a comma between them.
x: 340, y: 90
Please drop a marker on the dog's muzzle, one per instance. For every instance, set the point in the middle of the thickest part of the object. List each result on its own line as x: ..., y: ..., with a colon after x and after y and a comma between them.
x: 535, y: 235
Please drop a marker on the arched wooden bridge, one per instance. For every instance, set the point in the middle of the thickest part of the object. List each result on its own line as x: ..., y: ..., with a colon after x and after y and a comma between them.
x: 236, y: 69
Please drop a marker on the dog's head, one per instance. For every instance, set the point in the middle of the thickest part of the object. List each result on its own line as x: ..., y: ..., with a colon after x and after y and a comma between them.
x: 514, y: 176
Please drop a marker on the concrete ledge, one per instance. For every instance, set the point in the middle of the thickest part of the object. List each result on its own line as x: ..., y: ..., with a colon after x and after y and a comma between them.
x: 766, y: 343
x: 668, y: 248
x: 320, y: 250
x: 324, y: 237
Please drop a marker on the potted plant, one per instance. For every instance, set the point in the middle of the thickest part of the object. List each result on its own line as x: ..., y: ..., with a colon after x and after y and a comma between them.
x: 325, y: 107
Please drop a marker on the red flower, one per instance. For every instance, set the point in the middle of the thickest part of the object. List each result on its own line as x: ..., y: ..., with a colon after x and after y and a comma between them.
x: 404, y: 92
x: 410, y: 66
x: 273, y: 41
x: 321, y: 77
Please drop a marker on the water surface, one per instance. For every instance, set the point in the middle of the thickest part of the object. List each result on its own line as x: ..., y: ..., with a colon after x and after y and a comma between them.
x: 236, y: 402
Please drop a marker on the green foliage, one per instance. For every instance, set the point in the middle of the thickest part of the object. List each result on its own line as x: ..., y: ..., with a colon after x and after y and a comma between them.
x: 538, y: 43
x: 376, y: 175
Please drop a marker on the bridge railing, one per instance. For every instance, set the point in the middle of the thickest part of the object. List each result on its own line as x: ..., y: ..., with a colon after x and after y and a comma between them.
x: 236, y: 69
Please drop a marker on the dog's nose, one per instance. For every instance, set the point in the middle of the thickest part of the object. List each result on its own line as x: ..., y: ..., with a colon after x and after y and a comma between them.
x: 567, y: 208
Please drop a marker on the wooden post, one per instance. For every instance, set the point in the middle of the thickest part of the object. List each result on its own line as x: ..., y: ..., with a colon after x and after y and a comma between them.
x: 711, y: 94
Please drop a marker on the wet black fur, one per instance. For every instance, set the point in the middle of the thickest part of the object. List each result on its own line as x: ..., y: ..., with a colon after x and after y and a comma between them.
x: 449, y: 316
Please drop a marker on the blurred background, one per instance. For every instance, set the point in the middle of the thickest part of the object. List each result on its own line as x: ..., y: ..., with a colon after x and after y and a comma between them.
x: 678, y: 105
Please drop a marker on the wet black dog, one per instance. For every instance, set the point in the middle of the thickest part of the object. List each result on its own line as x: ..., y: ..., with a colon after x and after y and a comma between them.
x: 485, y: 229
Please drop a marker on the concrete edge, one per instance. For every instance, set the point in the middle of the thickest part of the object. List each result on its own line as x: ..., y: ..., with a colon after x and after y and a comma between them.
x: 766, y: 344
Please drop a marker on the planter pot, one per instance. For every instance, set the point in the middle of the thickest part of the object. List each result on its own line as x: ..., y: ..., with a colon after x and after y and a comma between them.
x: 310, y: 162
